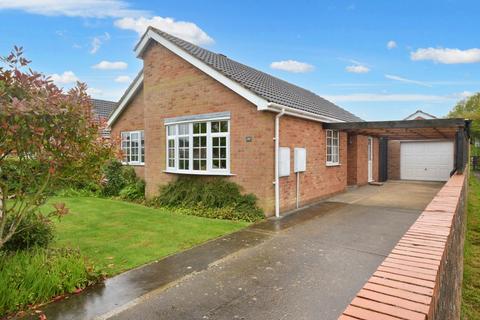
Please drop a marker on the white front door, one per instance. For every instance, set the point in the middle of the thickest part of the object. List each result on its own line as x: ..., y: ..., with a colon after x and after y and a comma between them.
x: 426, y: 160
x: 370, y: 159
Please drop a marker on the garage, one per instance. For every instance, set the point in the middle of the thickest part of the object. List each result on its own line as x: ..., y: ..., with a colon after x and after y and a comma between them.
x: 426, y: 160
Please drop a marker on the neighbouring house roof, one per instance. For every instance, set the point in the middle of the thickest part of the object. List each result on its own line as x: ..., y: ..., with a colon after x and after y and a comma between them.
x: 103, y: 108
x: 263, y: 89
x: 419, y: 114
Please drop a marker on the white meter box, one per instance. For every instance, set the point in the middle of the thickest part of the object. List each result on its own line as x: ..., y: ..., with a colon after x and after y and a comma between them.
x: 284, y: 162
x: 300, y: 159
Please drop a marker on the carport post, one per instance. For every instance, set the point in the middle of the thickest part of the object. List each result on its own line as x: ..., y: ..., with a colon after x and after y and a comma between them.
x: 383, y: 160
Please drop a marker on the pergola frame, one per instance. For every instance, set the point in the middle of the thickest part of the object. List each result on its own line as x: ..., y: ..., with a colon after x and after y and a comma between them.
x: 457, y: 130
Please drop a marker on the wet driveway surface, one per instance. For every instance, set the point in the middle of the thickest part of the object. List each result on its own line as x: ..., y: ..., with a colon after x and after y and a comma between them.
x: 307, y: 265
x: 308, y: 268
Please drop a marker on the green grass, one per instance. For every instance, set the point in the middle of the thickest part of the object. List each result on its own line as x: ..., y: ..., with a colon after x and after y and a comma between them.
x: 37, y: 275
x: 471, y: 273
x: 118, y: 235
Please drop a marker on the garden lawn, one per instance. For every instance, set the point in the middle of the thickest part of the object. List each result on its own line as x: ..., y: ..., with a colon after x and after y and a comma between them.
x: 118, y: 235
x: 471, y: 272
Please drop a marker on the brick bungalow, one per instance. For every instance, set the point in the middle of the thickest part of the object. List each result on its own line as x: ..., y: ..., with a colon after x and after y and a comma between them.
x: 191, y: 111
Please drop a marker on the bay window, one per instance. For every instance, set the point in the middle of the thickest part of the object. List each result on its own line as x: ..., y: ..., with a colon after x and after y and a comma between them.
x: 198, y: 147
x: 133, y: 147
x: 333, y: 155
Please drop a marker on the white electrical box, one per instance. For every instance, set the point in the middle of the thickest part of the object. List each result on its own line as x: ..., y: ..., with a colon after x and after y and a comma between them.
x: 284, y: 162
x: 300, y: 159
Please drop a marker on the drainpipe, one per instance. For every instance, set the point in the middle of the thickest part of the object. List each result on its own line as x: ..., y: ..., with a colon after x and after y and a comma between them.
x: 277, y: 167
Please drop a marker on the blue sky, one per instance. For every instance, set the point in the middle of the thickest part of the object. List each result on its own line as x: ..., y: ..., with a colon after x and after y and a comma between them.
x: 378, y: 59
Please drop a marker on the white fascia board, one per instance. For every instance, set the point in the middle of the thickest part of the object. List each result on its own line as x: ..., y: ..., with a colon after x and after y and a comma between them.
x: 232, y: 85
x: 126, y: 99
x: 300, y: 114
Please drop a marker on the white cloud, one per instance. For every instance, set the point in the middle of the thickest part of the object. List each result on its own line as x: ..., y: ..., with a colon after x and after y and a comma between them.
x: 405, y: 80
x: 391, y: 44
x: 94, y: 92
x: 110, y: 65
x: 98, y: 41
x: 447, y: 55
x: 357, y: 69
x: 74, y: 8
x: 375, y: 97
x: 65, y: 78
x: 123, y: 79
x: 465, y: 94
x: 185, y: 30
x: 292, y: 66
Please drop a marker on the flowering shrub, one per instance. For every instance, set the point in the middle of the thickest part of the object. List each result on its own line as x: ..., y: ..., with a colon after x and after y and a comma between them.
x: 49, y: 135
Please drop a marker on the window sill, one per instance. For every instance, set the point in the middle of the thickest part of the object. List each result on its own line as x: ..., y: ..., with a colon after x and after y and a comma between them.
x: 333, y: 164
x: 133, y: 164
x: 197, y: 173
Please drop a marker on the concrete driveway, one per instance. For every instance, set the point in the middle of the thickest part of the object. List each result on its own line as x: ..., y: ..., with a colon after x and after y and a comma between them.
x: 310, y: 266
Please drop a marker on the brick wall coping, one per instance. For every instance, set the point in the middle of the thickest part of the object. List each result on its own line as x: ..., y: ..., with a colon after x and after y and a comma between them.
x: 406, y: 284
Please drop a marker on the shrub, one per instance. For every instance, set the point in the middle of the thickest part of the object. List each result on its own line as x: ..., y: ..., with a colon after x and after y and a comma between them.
x: 33, y: 231
x: 36, y: 276
x: 134, y: 191
x: 122, y: 181
x: 114, y: 179
x: 213, y: 198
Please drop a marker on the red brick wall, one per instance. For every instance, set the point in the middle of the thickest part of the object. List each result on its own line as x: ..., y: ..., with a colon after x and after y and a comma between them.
x: 318, y: 181
x: 358, y: 159
x: 129, y: 120
x: 394, y: 159
x: 422, y: 277
x: 173, y: 88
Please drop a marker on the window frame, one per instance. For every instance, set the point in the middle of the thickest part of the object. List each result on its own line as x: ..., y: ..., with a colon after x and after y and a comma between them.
x: 210, y: 170
x: 335, y: 148
x: 140, y: 148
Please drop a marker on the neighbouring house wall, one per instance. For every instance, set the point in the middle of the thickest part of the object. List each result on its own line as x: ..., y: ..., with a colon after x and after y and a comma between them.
x: 358, y: 159
x: 422, y: 277
x: 132, y: 118
x: 319, y: 180
x: 394, y: 159
x: 172, y: 88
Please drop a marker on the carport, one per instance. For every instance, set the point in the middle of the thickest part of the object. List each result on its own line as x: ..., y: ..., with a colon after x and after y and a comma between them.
x: 431, y: 149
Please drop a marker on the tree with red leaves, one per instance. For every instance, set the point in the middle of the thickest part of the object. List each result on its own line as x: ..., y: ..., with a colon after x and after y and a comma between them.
x: 49, y: 137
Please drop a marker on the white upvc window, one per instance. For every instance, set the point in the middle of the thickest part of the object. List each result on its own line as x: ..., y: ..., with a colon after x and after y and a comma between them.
x: 199, y: 147
x: 133, y: 147
x: 333, y: 154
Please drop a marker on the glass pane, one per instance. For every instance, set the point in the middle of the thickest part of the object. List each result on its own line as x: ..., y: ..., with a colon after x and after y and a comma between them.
x: 215, y: 141
x: 223, y: 141
x: 203, y: 164
x: 215, y: 164
x: 196, y: 164
x: 183, y: 129
x: 224, y: 126
x: 215, y: 126
x: 200, y: 127
x: 203, y: 127
x: 223, y: 153
x: 203, y: 153
x: 223, y: 164
x: 171, y: 130
x: 203, y: 141
x: 215, y: 153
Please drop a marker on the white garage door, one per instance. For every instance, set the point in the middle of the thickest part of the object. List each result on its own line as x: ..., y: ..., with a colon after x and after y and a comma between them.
x: 426, y: 160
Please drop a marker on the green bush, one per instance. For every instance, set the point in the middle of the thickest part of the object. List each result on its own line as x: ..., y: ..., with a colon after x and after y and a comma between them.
x: 33, y: 231
x: 122, y: 181
x: 36, y: 276
x: 134, y: 191
x: 213, y: 198
x: 114, y: 179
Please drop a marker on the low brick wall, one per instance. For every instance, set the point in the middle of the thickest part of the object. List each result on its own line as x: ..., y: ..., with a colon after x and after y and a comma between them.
x: 421, y: 278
